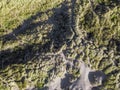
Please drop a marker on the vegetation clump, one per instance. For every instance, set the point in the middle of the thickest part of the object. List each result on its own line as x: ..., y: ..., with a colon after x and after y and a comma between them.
x: 34, y: 33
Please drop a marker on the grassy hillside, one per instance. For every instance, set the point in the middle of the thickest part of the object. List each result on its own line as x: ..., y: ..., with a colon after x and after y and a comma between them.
x: 34, y: 33
x: 101, y: 20
x: 14, y: 12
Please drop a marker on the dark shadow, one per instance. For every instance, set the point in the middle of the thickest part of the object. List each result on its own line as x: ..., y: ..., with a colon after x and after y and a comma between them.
x: 21, y: 55
x: 57, y: 36
x: 114, y: 44
x: 96, y: 77
x: 95, y: 88
x: 103, y: 6
x: 61, y: 28
x: 27, y: 24
x: 101, y: 9
x: 65, y: 82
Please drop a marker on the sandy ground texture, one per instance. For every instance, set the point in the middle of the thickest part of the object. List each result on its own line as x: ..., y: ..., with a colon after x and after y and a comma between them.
x: 88, y: 80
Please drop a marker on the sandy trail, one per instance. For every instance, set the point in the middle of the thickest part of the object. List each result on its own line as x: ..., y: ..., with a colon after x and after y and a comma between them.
x: 82, y: 83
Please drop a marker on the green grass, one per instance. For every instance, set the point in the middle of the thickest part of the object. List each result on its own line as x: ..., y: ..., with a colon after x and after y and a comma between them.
x: 101, y: 26
x: 105, y: 24
x: 14, y: 12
